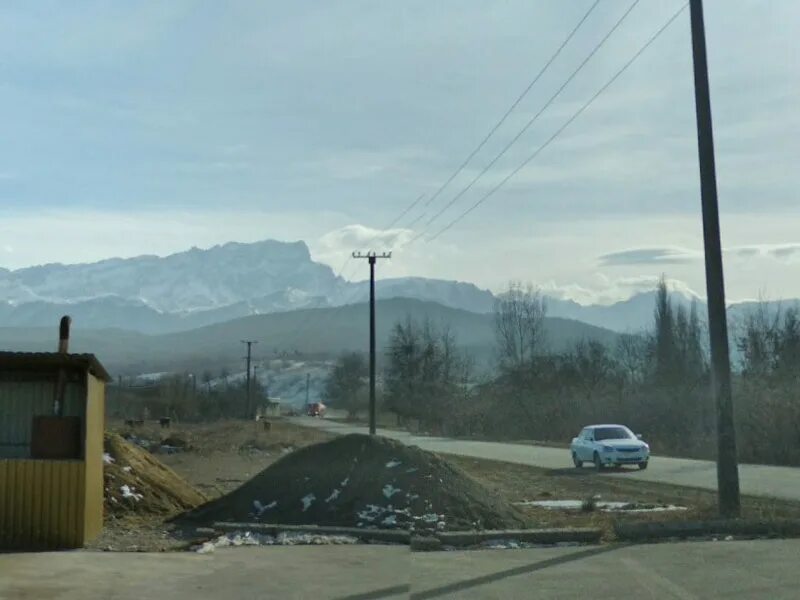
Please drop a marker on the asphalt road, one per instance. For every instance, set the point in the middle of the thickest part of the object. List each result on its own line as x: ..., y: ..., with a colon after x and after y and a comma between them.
x: 686, y: 571
x: 756, y: 480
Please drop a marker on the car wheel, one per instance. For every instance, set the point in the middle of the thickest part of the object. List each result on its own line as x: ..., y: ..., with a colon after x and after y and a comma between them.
x: 578, y: 463
x: 598, y: 465
x: 642, y: 465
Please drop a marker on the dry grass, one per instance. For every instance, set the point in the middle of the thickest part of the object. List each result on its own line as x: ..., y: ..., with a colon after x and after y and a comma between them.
x: 520, y: 482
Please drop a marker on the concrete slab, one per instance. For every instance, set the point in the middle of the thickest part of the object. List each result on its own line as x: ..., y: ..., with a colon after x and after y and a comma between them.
x: 296, y: 572
x: 689, y: 570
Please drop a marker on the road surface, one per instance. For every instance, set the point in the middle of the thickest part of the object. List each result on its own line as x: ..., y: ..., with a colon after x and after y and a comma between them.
x: 686, y: 571
x: 756, y: 480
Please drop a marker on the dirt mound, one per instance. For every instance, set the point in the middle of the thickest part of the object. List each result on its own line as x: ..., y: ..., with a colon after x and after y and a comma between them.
x: 362, y: 481
x: 137, y: 482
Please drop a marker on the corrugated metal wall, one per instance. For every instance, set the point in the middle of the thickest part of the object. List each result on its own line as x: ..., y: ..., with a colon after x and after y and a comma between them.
x: 95, y: 425
x: 21, y: 400
x: 42, y: 503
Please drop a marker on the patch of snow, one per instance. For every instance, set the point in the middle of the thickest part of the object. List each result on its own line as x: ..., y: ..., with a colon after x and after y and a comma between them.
x: 238, y: 539
x: 411, y: 497
x: 307, y: 501
x: 389, y: 490
x: 127, y: 469
x: 345, y: 481
x: 128, y: 492
x: 206, y: 548
x: 262, y: 508
x: 390, y: 520
x: 412, y: 470
x: 371, y: 512
x: 429, y: 518
x: 606, y: 506
x: 334, y: 495
x: 107, y: 458
x: 393, y: 463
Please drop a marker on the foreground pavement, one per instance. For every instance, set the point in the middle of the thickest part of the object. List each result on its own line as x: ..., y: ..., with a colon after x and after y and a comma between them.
x: 756, y: 480
x: 730, y: 570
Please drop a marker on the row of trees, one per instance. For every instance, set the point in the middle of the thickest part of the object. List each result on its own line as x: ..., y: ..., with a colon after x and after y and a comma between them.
x: 657, y: 381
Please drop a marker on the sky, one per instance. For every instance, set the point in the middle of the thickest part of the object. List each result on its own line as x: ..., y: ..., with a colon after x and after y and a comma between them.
x: 133, y: 128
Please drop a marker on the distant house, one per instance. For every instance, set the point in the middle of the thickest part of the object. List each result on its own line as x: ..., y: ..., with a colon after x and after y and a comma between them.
x: 269, y: 408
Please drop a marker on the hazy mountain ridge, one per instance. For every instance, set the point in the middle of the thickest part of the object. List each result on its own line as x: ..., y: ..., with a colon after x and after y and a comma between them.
x: 314, y: 333
x: 196, y: 288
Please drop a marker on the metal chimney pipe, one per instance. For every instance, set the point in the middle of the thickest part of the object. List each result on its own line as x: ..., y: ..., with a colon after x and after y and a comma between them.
x: 63, y: 338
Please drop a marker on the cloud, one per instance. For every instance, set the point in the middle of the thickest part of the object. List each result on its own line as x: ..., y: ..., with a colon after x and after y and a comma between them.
x: 365, y: 164
x: 337, y: 245
x: 649, y: 256
x: 789, y: 252
x: 606, y: 290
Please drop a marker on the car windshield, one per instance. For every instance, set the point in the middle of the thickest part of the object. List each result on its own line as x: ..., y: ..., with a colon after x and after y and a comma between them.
x: 612, y: 433
x: 383, y: 277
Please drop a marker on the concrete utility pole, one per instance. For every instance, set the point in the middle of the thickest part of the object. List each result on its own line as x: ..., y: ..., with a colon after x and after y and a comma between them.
x: 248, y: 358
x: 372, y: 257
x: 727, y: 465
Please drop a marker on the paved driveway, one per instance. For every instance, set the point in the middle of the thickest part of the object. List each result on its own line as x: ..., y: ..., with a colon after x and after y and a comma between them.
x: 756, y: 480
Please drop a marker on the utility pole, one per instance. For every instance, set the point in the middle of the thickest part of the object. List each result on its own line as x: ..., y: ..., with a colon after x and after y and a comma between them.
x: 248, y: 358
x: 372, y: 257
x: 308, y: 381
x: 727, y: 466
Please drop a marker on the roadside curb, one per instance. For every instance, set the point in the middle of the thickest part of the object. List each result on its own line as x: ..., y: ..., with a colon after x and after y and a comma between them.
x: 579, y: 535
x: 637, y: 532
x: 433, y: 541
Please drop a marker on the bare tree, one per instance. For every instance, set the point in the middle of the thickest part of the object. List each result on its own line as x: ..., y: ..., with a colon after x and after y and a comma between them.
x: 519, y: 324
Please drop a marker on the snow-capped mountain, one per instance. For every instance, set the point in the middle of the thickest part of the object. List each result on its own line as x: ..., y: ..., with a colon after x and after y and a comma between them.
x: 195, y: 288
x: 200, y: 287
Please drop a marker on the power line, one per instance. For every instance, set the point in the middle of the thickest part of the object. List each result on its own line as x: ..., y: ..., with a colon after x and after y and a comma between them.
x: 503, y: 181
x: 531, y: 121
x: 402, y: 214
x: 514, y: 105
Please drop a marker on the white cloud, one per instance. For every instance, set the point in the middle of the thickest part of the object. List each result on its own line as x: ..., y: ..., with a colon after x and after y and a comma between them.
x: 605, y: 290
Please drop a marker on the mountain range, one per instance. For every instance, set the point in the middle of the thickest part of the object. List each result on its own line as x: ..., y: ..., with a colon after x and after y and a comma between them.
x: 310, y: 333
x: 198, y: 288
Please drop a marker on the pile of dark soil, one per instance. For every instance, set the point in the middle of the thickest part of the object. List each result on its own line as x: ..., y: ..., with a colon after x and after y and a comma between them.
x: 138, y: 483
x: 362, y: 481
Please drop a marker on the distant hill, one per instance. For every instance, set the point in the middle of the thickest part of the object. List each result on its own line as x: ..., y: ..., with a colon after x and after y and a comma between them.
x: 321, y: 332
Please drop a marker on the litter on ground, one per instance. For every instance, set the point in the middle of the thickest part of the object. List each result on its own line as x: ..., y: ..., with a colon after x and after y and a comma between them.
x: 238, y: 539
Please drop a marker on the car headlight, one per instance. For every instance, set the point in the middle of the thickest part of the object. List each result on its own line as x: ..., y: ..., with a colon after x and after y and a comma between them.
x: 607, y: 449
x: 647, y: 447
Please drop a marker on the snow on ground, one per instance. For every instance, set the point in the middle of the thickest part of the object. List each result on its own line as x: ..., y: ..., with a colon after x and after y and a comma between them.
x: 393, y: 463
x: 107, y: 458
x: 307, y: 501
x: 605, y: 506
x: 248, y: 538
x: 262, y: 508
x: 389, y: 490
x: 129, y: 492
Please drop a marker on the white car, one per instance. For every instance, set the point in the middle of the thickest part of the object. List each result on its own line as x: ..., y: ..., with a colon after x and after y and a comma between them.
x: 609, y: 445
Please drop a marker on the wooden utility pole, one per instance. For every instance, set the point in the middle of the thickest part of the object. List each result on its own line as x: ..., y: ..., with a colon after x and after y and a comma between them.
x: 372, y: 257
x: 248, y: 358
x: 727, y: 465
